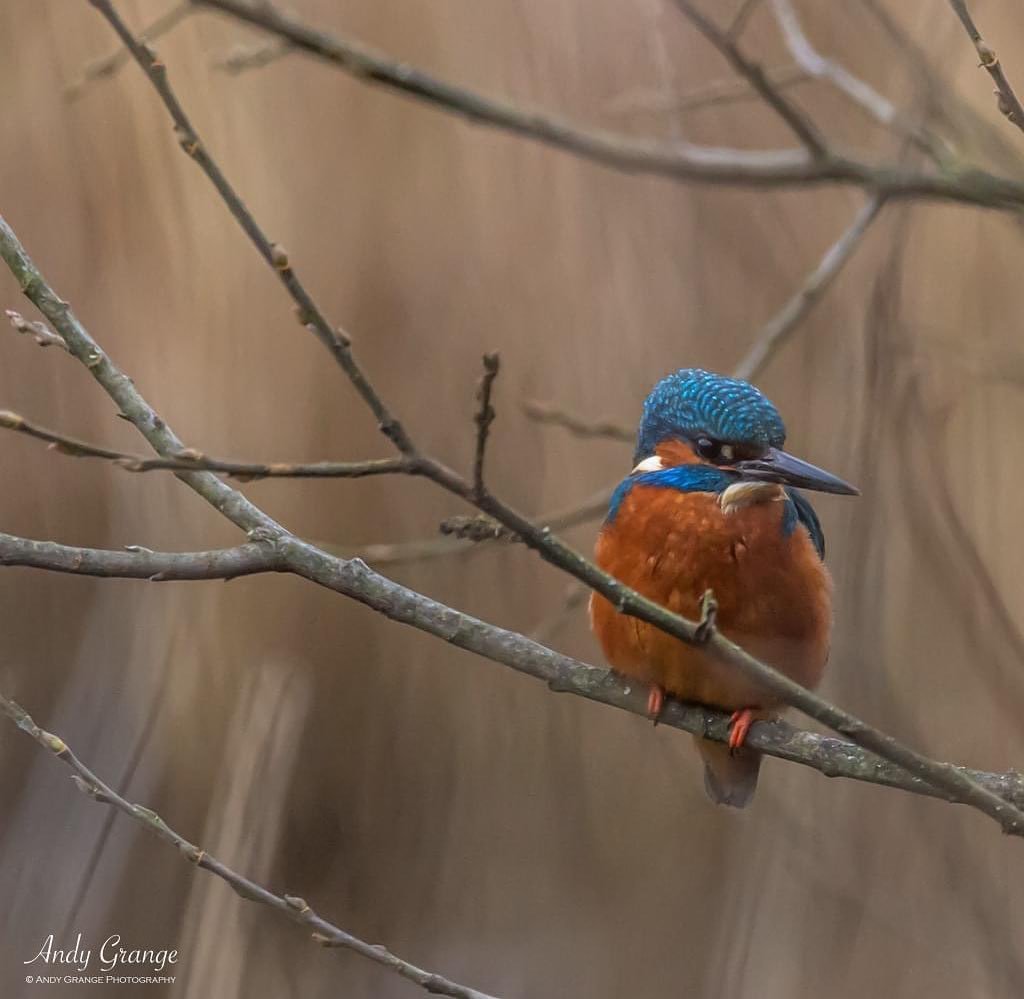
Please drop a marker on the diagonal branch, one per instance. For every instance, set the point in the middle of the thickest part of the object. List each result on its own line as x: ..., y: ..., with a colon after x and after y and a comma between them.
x: 800, y: 124
x: 296, y: 909
x: 775, y: 332
x: 335, y: 340
x: 679, y: 160
x: 1006, y: 99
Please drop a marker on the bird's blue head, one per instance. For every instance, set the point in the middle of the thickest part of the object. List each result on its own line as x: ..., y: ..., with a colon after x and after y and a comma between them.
x: 728, y: 423
x: 695, y: 405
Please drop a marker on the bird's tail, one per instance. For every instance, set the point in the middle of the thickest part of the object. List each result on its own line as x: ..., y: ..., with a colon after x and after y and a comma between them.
x: 730, y: 776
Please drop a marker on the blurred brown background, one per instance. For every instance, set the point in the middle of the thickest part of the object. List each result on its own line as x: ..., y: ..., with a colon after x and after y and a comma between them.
x: 528, y: 844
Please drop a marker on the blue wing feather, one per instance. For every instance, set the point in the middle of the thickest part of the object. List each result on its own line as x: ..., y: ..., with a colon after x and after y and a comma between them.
x: 799, y: 510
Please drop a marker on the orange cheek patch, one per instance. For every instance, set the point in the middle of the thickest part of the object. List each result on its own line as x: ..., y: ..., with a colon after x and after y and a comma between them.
x: 675, y: 452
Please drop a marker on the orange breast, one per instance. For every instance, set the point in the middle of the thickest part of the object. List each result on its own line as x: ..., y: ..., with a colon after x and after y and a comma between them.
x: 774, y: 594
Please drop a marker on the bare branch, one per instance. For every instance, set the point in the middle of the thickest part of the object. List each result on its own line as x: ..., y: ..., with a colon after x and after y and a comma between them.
x: 191, y: 460
x: 1006, y: 99
x: 677, y: 159
x: 802, y: 127
x: 296, y: 909
x: 335, y: 340
x: 682, y: 161
x: 774, y: 333
x: 107, y: 66
x: 483, y: 420
x: 136, y: 562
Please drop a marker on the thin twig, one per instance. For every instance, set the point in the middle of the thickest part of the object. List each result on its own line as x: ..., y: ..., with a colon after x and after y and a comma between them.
x: 774, y: 333
x: 296, y: 909
x: 483, y: 419
x: 191, y: 460
x: 107, y: 66
x: 1006, y: 99
x: 679, y: 160
x: 940, y: 98
x: 40, y: 332
x: 136, y: 562
x: 335, y: 340
x: 800, y: 124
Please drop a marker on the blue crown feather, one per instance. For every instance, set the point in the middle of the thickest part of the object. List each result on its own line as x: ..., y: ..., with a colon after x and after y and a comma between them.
x: 693, y: 402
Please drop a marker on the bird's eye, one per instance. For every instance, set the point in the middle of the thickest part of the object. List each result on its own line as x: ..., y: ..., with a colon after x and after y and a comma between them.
x: 708, y: 449
x: 714, y: 451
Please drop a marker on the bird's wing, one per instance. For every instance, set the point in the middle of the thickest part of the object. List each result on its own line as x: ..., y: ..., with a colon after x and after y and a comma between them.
x: 801, y: 511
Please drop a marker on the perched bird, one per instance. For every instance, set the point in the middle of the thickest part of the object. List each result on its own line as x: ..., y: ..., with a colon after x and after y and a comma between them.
x: 712, y: 504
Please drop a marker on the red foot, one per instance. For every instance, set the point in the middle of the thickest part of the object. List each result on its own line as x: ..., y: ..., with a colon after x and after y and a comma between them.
x: 655, y: 703
x: 739, y: 726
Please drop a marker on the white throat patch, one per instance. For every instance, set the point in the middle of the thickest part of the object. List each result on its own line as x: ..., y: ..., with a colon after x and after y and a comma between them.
x: 652, y: 464
x: 744, y: 494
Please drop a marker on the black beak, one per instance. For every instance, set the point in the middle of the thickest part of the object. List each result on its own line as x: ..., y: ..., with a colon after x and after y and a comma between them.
x: 777, y: 466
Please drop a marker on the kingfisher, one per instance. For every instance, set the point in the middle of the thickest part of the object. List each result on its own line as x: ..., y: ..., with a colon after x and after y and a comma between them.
x: 712, y: 504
